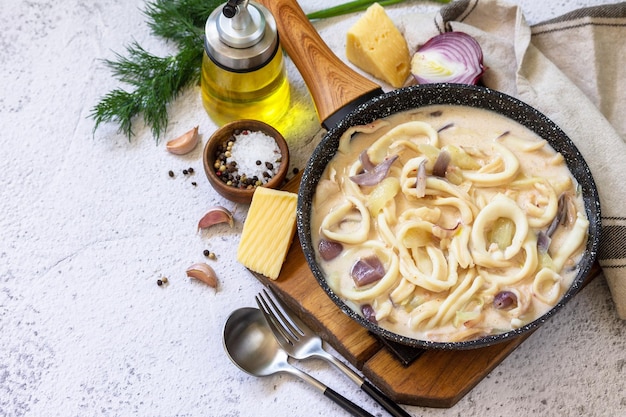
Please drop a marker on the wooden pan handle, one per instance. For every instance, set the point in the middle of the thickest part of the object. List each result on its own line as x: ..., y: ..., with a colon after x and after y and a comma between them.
x: 331, y: 82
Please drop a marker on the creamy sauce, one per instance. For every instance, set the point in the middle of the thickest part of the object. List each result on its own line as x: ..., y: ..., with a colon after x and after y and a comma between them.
x: 455, y: 249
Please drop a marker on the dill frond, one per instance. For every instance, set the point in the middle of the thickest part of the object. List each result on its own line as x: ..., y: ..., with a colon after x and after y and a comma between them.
x: 157, y: 81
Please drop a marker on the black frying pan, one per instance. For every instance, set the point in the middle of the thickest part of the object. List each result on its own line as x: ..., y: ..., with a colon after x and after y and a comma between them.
x: 343, y: 98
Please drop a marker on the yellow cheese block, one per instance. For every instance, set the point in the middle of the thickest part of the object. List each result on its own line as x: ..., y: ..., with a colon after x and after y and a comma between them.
x: 375, y: 45
x: 268, y: 231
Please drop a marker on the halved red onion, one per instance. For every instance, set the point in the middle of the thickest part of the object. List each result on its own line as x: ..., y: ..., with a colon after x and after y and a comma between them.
x: 367, y: 271
x: 451, y: 57
x: 376, y: 175
x: 329, y: 249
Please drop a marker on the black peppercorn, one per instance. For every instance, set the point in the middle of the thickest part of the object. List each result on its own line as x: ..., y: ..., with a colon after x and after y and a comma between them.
x: 159, y: 282
x: 206, y: 252
x: 171, y: 174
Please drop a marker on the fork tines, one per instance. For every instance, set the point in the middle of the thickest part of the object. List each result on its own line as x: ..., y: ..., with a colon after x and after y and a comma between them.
x: 278, y: 318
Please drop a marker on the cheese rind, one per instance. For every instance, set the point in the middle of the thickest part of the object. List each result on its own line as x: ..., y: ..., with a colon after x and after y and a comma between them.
x: 268, y: 231
x: 375, y: 45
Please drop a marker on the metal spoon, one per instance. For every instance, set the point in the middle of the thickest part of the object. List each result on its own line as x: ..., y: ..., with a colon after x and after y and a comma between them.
x: 251, y: 346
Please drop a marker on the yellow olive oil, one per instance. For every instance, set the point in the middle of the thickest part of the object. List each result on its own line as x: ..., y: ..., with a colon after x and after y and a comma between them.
x: 243, y: 73
x: 261, y: 94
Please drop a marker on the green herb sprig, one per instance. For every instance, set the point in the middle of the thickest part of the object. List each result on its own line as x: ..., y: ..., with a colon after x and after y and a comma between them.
x: 157, y: 81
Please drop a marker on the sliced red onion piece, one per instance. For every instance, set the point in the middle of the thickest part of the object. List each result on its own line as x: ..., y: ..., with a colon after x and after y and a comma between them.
x: 451, y: 57
x: 369, y: 313
x: 375, y: 175
x: 329, y: 249
x: 420, y: 180
x: 367, y: 271
x: 543, y: 242
x: 367, y: 164
x: 442, y: 128
x: 441, y: 164
x: 504, y: 300
x: 561, y: 215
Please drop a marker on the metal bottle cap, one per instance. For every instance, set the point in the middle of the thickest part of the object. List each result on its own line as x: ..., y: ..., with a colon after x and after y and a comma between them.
x: 241, y: 36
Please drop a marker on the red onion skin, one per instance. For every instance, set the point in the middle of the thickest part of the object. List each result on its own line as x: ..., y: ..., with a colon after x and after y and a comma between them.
x: 459, y: 47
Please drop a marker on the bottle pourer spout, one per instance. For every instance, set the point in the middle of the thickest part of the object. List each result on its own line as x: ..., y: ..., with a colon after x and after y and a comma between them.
x: 230, y: 8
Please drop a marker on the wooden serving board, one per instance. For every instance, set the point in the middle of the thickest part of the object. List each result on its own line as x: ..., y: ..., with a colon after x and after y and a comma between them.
x: 436, y: 378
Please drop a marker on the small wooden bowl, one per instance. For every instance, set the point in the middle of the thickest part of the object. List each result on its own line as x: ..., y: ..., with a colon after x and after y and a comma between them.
x: 223, y: 134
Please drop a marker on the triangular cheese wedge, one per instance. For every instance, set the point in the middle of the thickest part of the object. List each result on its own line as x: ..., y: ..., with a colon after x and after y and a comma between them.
x: 375, y: 45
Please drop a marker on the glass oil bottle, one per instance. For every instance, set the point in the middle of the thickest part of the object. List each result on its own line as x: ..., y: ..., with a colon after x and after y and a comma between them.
x: 243, y: 73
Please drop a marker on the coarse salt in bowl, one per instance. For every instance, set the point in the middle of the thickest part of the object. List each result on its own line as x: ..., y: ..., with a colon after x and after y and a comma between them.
x: 245, y: 154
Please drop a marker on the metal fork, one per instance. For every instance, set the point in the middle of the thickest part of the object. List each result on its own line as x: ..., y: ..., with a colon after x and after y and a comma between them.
x: 301, y: 342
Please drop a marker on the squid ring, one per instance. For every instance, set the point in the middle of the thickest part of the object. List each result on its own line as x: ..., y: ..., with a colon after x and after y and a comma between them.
x: 337, y: 215
x: 405, y: 131
x: 511, y: 166
x: 530, y: 265
x: 547, y: 286
x: 500, y: 206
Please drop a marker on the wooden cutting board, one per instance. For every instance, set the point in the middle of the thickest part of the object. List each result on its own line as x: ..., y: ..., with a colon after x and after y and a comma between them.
x: 435, y: 378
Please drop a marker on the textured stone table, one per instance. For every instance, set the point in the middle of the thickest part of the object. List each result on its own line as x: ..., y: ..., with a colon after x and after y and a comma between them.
x: 90, y: 221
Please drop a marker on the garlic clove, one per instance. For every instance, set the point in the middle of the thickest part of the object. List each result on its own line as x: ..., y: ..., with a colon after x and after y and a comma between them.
x: 216, y: 215
x: 204, y: 273
x: 184, y: 143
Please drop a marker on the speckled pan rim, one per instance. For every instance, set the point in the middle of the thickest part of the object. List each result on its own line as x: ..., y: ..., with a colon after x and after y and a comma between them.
x: 451, y: 94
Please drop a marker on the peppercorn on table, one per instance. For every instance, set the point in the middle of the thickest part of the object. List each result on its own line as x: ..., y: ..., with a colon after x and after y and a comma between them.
x: 98, y: 316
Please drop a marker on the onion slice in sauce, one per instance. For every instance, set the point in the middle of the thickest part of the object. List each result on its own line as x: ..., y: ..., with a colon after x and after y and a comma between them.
x: 366, y: 162
x: 441, y: 164
x: 451, y: 57
x: 543, y: 242
x: 420, y: 180
x: 369, y: 313
x: 375, y: 175
x: 561, y: 217
x: 504, y: 300
x: 329, y: 249
x: 367, y: 271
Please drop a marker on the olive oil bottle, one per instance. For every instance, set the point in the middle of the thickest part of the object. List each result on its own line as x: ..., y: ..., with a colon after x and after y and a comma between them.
x: 243, y: 72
